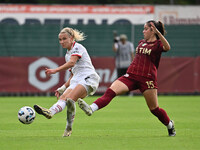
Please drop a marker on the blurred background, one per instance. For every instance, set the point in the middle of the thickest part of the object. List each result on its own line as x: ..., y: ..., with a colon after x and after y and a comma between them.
x: 29, y: 41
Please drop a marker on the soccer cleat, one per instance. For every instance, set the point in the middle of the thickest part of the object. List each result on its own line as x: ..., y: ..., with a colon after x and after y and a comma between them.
x: 67, y: 132
x: 43, y: 111
x: 85, y: 107
x: 172, y: 131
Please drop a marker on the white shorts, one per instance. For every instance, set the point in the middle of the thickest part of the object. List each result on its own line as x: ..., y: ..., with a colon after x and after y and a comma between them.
x: 90, y: 82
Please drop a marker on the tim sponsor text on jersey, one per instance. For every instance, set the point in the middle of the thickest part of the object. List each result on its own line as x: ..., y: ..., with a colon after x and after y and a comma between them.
x: 142, y: 50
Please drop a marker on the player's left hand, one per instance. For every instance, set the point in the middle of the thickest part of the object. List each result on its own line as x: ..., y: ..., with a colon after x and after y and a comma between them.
x: 48, y: 72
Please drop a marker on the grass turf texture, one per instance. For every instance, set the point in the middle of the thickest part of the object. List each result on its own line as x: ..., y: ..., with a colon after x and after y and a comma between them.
x: 125, y: 123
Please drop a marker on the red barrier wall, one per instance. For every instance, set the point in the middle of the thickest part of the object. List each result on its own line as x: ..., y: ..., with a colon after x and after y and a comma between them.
x: 26, y: 74
x: 179, y: 75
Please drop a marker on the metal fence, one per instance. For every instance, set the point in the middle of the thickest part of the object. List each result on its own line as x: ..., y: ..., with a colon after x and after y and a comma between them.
x: 42, y: 40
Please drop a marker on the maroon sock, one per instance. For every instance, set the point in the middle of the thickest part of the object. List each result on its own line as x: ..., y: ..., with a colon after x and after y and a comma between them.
x: 161, y: 115
x: 105, y: 99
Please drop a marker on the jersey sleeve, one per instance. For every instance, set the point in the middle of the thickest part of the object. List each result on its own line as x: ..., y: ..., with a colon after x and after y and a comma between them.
x: 160, y: 47
x: 116, y: 45
x: 77, y: 51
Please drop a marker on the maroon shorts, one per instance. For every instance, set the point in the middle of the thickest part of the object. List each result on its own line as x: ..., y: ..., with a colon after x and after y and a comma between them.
x: 135, y: 82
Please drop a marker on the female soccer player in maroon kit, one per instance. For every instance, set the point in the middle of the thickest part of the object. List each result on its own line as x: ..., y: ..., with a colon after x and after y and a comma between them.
x: 141, y: 74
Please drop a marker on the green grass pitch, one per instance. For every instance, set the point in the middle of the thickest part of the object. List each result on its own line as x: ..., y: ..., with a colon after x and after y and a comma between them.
x: 125, y: 124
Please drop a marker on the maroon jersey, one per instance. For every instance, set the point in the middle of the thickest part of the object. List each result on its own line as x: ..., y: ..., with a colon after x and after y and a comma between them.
x: 146, y: 59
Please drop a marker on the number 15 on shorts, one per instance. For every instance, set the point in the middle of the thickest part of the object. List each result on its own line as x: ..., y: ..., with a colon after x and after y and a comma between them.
x: 150, y: 84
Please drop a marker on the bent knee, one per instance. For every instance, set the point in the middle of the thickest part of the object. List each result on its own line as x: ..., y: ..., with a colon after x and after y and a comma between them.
x: 63, y: 97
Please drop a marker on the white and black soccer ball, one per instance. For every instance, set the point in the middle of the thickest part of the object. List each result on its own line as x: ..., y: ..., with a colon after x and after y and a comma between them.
x: 26, y: 115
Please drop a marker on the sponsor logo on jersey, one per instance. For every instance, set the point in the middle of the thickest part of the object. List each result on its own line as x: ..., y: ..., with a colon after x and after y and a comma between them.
x: 126, y: 75
x: 144, y: 44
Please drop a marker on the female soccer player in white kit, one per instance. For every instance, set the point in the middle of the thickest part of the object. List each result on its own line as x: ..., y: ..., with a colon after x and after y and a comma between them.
x: 83, y: 80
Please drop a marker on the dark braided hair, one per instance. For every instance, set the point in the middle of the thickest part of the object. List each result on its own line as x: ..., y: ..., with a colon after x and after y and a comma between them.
x: 159, y: 25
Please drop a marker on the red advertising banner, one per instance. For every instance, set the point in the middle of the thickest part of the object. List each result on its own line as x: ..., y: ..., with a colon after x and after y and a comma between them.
x: 100, y: 14
x: 78, y: 9
x: 26, y: 74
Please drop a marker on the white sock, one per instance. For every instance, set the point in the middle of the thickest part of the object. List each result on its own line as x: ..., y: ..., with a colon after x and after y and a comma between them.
x: 58, y: 107
x: 94, y: 107
x: 71, y: 111
x: 169, y: 126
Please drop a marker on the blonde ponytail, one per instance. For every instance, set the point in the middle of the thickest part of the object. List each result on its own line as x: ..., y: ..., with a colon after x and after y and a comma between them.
x: 76, y: 34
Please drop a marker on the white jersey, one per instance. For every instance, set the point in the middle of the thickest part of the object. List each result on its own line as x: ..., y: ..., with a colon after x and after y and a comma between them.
x: 84, y: 64
x: 83, y: 71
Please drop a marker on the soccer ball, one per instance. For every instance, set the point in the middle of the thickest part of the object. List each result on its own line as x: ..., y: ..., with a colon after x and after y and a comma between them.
x: 26, y: 115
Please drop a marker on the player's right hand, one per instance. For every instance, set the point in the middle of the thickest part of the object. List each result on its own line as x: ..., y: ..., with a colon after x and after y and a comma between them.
x: 57, y: 94
x: 48, y: 72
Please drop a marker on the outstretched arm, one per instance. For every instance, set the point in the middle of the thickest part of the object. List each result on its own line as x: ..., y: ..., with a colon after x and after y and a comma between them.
x: 65, y: 66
